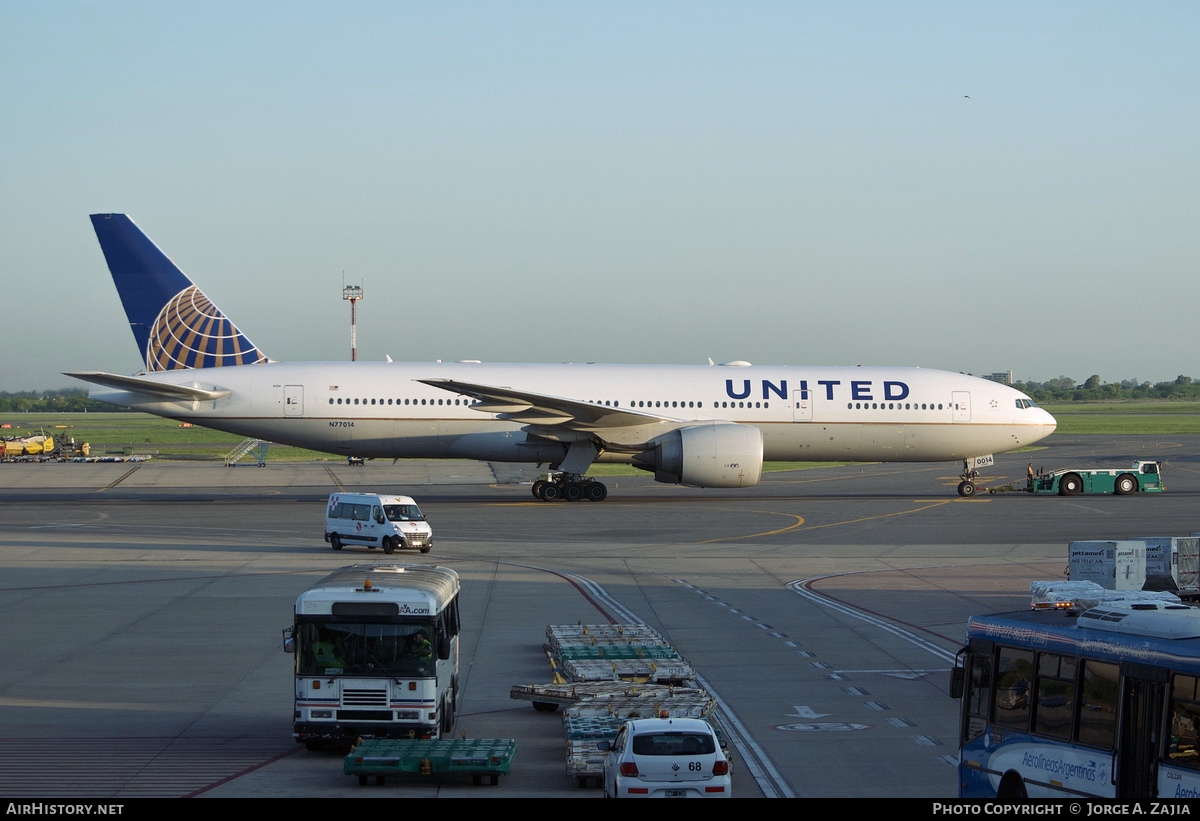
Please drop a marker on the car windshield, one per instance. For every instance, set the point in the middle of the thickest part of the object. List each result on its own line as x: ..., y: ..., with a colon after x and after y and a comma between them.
x: 673, y: 744
x: 403, y: 513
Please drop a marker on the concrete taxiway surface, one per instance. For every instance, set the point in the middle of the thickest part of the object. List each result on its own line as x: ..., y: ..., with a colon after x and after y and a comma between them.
x: 143, y: 605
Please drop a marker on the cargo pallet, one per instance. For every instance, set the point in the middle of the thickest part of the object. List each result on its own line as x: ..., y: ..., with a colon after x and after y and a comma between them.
x: 614, y: 652
x: 606, y: 674
x: 476, y: 757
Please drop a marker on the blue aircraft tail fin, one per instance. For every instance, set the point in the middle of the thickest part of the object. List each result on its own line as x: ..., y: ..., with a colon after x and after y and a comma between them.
x: 176, y: 326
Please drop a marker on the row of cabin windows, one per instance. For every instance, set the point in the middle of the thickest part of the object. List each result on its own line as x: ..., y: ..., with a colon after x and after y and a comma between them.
x: 652, y: 404
x: 609, y: 403
x: 657, y: 404
x: 892, y: 406
x: 404, y: 402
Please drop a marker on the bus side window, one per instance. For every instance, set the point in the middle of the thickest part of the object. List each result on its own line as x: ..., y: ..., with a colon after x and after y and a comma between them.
x: 1055, y: 696
x: 1098, y: 698
x: 978, y: 697
x: 1183, y: 736
x: 1014, y: 672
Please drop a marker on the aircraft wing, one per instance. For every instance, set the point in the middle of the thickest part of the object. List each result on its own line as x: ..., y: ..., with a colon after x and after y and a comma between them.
x: 152, y: 387
x: 541, y: 409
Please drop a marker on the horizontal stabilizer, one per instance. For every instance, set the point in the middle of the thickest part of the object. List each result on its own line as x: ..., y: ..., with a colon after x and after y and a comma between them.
x: 150, y: 387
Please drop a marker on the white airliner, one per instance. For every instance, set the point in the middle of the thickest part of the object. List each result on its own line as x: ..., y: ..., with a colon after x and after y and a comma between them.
x: 697, y: 425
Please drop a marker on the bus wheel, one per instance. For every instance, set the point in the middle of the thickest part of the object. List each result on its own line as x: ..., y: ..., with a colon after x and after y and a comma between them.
x: 1126, y: 484
x: 1012, y: 788
x: 389, y: 546
x: 335, y: 541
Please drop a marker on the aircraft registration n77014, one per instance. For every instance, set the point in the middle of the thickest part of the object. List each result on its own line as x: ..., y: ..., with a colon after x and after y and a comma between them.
x: 697, y: 425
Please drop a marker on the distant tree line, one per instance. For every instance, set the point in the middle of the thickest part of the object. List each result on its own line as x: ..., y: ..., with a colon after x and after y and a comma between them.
x: 1064, y: 389
x: 64, y: 400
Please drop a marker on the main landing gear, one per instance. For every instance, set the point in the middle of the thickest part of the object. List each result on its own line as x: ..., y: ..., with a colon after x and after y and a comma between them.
x: 569, y: 487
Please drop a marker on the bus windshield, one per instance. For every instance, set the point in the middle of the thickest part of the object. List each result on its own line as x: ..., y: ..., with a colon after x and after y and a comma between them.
x: 353, y: 649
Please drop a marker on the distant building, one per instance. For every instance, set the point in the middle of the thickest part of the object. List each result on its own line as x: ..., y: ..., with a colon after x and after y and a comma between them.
x: 1003, y: 377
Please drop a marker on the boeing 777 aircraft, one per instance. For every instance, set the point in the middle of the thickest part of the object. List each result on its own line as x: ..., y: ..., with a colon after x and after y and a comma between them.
x: 696, y: 425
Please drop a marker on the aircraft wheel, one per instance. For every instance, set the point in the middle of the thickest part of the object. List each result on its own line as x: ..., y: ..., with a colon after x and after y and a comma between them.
x: 596, y: 492
x: 1070, y: 485
x: 572, y: 492
x: 966, y: 489
x: 537, y: 488
x: 389, y: 545
x: 1126, y: 484
x: 335, y: 541
x: 550, y: 492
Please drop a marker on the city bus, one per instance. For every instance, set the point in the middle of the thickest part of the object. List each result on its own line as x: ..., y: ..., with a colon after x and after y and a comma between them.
x: 376, y: 649
x: 1101, y: 703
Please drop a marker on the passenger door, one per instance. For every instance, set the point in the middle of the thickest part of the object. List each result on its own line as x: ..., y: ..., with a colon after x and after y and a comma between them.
x: 293, y: 400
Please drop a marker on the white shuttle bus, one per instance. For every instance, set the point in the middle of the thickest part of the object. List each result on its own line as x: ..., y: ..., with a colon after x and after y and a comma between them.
x: 376, y: 649
x: 376, y: 520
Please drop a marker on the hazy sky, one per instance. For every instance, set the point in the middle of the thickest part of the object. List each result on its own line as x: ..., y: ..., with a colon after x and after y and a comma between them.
x: 970, y: 186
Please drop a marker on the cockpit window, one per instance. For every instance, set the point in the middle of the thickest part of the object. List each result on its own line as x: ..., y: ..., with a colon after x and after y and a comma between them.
x: 1026, y: 403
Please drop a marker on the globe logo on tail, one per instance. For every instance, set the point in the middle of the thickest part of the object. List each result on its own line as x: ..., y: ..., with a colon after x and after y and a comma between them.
x: 191, y: 332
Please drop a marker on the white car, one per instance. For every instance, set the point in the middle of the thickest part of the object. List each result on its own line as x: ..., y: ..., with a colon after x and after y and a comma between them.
x: 666, y: 758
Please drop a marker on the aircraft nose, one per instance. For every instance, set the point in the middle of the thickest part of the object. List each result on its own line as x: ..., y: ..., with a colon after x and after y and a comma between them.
x: 1049, y: 424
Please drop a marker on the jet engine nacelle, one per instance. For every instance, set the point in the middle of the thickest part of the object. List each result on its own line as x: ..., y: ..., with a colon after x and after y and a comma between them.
x: 713, y: 454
